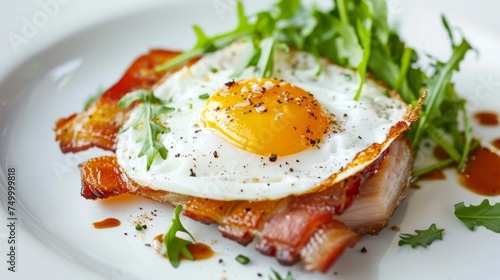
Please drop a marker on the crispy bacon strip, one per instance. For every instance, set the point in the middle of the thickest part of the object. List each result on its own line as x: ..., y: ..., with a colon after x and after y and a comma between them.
x: 291, y: 229
x: 208, y: 211
x: 284, y: 235
x: 288, y: 232
x: 246, y: 219
x: 378, y: 199
x: 326, y: 245
x: 102, y: 177
x: 284, y: 232
x: 98, y: 125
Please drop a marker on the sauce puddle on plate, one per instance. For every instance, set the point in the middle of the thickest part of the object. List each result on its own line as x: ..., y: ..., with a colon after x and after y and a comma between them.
x: 439, y: 153
x: 437, y: 174
x: 496, y: 143
x: 487, y: 118
x: 482, y: 172
x: 107, y: 223
x: 480, y: 175
x: 200, y: 251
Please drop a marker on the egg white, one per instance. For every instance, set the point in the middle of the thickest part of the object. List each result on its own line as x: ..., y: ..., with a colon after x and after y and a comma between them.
x: 202, y: 164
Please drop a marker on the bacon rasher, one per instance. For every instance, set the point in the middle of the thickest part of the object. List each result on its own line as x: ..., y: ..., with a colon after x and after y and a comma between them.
x: 98, y: 125
x: 314, y: 228
x: 306, y: 227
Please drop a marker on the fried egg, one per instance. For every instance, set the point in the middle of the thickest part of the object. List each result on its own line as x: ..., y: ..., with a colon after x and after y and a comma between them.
x: 248, y: 138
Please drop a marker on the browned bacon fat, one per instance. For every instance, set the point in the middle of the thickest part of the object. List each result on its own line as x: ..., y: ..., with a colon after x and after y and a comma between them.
x: 98, y: 125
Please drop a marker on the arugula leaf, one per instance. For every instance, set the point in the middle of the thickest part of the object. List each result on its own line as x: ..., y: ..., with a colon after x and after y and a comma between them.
x: 437, y: 165
x: 174, y: 246
x: 286, y: 9
x: 205, y: 44
x: 93, y: 98
x: 277, y: 276
x: 423, y: 238
x: 204, y: 96
x: 147, y: 123
x: 437, y: 91
x: 403, y: 70
x: 266, y: 61
x: 364, y: 28
x: 248, y: 55
x: 484, y: 214
x: 242, y: 259
x: 349, y: 50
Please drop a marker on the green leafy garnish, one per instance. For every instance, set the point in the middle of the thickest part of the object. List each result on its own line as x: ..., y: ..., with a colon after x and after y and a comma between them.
x: 174, y: 246
x: 204, y: 96
x: 364, y: 30
x: 147, y: 122
x: 277, y: 276
x: 355, y: 34
x: 442, y: 108
x: 93, y: 97
x: 138, y: 227
x: 242, y: 259
x: 484, y: 214
x: 423, y: 238
x: 205, y: 44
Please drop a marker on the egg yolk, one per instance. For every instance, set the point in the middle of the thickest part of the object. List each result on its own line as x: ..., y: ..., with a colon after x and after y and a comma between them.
x: 266, y: 116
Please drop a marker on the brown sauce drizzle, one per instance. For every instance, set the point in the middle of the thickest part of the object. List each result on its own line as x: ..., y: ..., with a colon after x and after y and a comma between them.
x: 487, y: 118
x: 439, y: 153
x: 415, y: 186
x: 200, y: 251
x: 107, y: 223
x: 482, y: 172
x: 436, y: 174
x: 496, y: 143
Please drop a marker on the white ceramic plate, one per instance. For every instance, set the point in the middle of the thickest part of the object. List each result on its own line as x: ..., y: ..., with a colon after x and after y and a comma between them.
x: 53, y: 73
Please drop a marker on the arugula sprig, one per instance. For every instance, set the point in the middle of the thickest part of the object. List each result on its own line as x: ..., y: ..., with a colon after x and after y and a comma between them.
x: 288, y: 24
x: 423, y: 238
x: 174, y: 246
x: 147, y: 123
x: 443, y: 108
x: 483, y: 214
x: 242, y: 259
x: 277, y: 276
x: 205, y: 44
x: 355, y: 34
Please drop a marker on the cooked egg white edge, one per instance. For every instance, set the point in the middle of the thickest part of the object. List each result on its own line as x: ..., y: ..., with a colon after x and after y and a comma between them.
x: 234, y: 174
